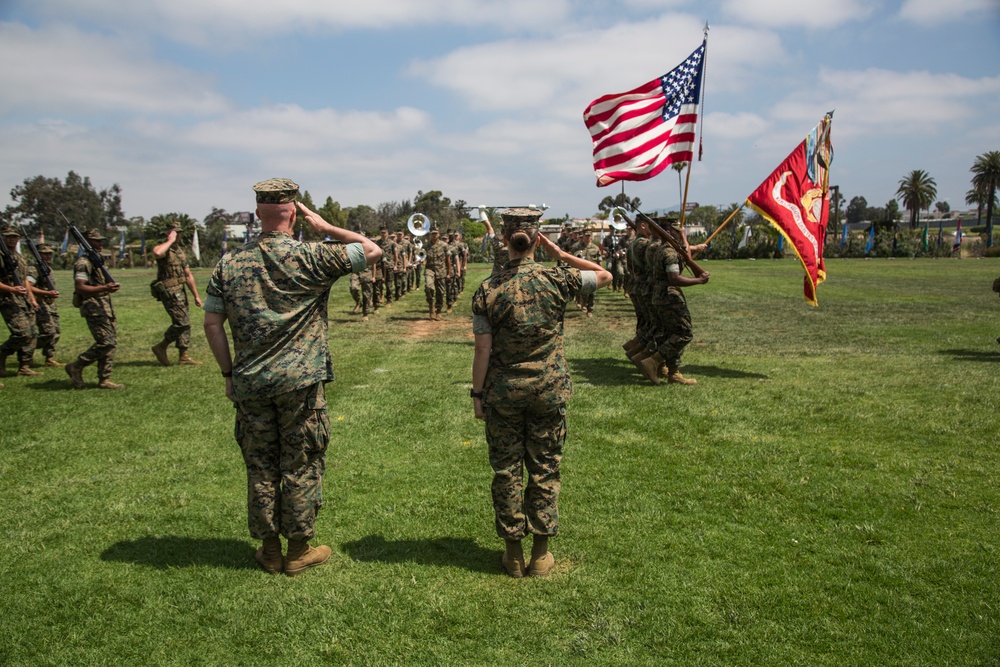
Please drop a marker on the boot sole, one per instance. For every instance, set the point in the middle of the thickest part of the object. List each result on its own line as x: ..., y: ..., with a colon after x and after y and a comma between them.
x: 293, y: 572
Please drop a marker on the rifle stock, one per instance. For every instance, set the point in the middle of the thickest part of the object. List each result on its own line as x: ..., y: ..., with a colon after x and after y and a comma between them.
x: 95, y: 257
x: 9, y: 264
x: 669, y: 239
x: 44, y: 272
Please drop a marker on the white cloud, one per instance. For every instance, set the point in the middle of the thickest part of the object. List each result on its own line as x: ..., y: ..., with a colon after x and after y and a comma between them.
x: 60, y: 68
x: 566, y: 73
x: 929, y: 12
x: 290, y: 128
x: 231, y: 22
x: 735, y: 125
x: 796, y: 13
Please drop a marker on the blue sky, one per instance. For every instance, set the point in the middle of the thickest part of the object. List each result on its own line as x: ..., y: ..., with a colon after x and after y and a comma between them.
x: 187, y: 103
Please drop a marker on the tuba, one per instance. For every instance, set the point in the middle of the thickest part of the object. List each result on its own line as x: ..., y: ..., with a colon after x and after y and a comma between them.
x: 418, y: 224
x: 618, y: 217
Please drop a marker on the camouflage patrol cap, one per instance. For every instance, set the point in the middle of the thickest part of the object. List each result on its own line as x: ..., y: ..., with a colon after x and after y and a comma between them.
x: 94, y: 235
x: 173, y: 224
x: 434, y: 230
x: 672, y: 219
x: 10, y: 230
x: 276, y: 191
x: 520, y: 218
x: 46, y: 249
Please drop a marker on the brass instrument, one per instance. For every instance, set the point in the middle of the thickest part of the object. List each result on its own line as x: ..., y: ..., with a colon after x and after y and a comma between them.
x: 418, y: 224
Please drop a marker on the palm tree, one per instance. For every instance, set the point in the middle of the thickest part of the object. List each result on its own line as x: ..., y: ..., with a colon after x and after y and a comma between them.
x: 986, y: 180
x: 917, y: 191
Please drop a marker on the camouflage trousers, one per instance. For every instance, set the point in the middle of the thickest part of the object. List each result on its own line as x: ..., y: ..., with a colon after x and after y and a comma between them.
x: 105, y: 332
x: 529, y: 438
x: 179, y: 331
x: 461, y: 282
x: 435, y: 287
x: 399, y: 284
x: 416, y: 275
x: 284, y: 439
x: 643, y: 325
x: 672, y: 329
x: 411, y: 274
x: 47, y: 320
x: 617, y: 276
x: 23, y: 336
x: 363, y: 294
x: 451, y: 290
x: 587, y: 301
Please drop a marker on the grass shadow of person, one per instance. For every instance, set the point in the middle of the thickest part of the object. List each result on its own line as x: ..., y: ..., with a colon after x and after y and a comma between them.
x: 437, y: 551
x: 972, y: 355
x: 172, y: 551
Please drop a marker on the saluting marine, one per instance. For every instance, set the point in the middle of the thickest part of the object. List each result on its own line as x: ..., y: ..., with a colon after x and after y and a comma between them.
x: 173, y: 279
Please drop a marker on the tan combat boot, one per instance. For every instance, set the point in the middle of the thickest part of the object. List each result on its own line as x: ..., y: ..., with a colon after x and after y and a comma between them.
x: 627, y: 345
x: 49, y: 361
x: 301, y: 557
x: 542, y: 559
x: 75, y: 375
x: 108, y: 384
x: 25, y: 371
x: 160, y: 352
x: 357, y: 309
x: 674, y: 377
x: 269, y: 555
x: 649, y: 366
x: 185, y: 360
x: 639, y: 355
x: 433, y: 314
x: 512, y: 560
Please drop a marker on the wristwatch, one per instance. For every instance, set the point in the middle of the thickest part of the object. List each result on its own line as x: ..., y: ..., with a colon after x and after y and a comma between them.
x: 475, y: 394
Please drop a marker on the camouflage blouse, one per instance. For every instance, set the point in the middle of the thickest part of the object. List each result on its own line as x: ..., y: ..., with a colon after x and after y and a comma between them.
x: 24, y: 272
x: 437, y: 257
x: 522, y: 306
x: 274, y: 292
x: 92, y: 306
x: 172, y: 265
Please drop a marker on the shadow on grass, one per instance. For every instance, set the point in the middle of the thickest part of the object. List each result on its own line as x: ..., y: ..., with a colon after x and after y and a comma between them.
x: 172, y: 551
x: 439, y: 551
x: 972, y: 355
x: 607, y: 371
x: 53, y: 385
x: 716, y: 372
x: 151, y: 362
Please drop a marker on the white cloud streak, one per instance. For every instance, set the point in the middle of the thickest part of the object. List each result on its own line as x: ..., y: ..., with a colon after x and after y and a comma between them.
x: 796, y: 13
x: 930, y: 12
x: 61, y: 68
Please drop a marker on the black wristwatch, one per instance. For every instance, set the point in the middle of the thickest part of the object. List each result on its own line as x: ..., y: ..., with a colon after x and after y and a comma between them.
x: 475, y: 394
x: 227, y: 374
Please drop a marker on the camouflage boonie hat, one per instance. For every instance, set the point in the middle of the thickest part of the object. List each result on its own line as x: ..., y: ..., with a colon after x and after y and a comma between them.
x: 520, y: 218
x: 10, y: 230
x: 94, y: 235
x: 173, y: 224
x: 45, y: 248
x: 276, y: 191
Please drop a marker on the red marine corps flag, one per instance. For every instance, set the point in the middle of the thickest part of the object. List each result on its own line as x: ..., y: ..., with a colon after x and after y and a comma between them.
x: 795, y: 198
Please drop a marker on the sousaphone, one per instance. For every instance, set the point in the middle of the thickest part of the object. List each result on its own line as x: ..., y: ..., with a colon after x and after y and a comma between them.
x: 418, y: 224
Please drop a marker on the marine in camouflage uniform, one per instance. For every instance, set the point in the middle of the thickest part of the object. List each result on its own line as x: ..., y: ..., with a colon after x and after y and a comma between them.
x: 47, y: 315
x: 399, y: 270
x: 523, y: 385
x: 274, y: 293
x: 454, y: 253
x: 671, y: 320
x: 17, y: 304
x: 384, y: 270
x: 417, y: 267
x: 591, y: 253
x: 93, y: 297
x: 437, y: 273
x: 173, y: 279
x: 463, y: 255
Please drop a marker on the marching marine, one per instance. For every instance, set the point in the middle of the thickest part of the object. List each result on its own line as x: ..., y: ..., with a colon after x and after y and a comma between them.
x: 437, y: 273
x: 92, y: 296
x: 47, y: 315
x: 17, y: 304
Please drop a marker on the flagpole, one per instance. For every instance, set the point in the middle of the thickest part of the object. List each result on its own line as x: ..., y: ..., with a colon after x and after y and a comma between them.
x: 724, y: 223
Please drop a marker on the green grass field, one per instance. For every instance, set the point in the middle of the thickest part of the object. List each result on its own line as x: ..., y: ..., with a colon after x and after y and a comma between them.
x: 826, y: 495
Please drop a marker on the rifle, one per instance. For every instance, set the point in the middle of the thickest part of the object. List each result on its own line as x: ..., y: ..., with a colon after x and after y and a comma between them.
x: 44, y: 271
x: 95, y: 257
x: 666, y: 237
x: 9, y: 263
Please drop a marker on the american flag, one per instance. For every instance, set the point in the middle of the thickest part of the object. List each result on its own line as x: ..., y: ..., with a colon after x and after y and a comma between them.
x: 639, y: 133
